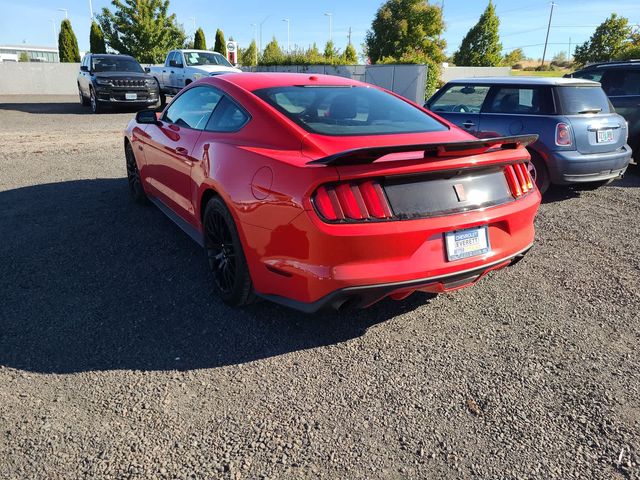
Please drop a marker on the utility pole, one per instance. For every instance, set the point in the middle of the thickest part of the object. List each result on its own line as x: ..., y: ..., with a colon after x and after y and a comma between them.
x: 91, y: 10
x: 569, y: 52
x: 66, y: 12
x: 330, y: 15
x: 288, y: 34
x: 546, y: 40
x: 349, y: 36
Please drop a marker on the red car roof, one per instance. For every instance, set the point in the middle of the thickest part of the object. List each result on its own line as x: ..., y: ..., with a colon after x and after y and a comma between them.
x: 255, y: 81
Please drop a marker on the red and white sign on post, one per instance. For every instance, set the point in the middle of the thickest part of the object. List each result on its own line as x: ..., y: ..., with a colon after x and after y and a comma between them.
x: 232, y: 52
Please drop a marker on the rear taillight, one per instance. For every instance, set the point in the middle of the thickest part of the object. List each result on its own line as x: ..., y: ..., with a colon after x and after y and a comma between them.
x: 563, y: 135
x: 352, y: 201
x: 518, y: 178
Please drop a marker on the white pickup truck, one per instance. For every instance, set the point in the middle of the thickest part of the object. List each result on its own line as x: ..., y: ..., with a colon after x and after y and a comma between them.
x: 181, y: 67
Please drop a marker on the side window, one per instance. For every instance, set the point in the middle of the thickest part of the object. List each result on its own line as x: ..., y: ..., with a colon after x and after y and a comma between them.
x: 169, y: 58
x: 461, y: 99
x: 193, y: 108
x: 594, y: 75
x: 521, y: 100
x: 228, y: 117
x: 178, y: 59
x: 620, y: 82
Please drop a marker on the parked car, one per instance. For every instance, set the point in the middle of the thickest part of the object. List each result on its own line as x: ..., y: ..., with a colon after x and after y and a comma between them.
x: 581, y: 138
x: 116, y: 81
x: 621, y: 82
x: 280, y: 181
x: 182, y: 67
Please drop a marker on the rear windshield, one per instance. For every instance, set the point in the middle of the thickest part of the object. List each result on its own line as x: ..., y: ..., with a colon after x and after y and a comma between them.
x: 115, y: 64
x: 577, y: 100
x: 348, y: 110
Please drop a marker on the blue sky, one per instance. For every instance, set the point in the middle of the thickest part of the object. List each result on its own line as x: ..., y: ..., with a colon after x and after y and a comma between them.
x: 523, y: 22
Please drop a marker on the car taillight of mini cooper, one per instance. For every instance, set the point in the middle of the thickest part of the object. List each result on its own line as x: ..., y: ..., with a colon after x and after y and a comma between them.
x: 319, y: 191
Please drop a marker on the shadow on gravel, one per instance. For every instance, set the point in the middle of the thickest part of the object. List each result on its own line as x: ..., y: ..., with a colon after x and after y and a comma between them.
x: 60, y: 108
x: 558, y: 193
x: 90, y: 281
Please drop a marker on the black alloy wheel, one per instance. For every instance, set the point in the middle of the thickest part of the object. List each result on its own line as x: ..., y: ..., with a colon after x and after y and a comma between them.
x: 224, y: 253
x: 133, y: 176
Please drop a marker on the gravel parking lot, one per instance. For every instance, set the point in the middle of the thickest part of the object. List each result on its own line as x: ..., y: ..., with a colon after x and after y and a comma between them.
x: 117, y: 362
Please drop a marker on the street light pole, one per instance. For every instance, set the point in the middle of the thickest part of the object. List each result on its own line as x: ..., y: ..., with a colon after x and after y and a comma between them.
x: 288, y: 34
x: 55, y: 32
x: 66, y: 12
x: 330, y: 15
x: 546, y: 40
x: 91, y: 10
x: 262, y: 23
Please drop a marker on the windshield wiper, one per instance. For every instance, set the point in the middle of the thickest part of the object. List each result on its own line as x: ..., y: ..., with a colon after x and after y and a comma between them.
x: 591, y: 110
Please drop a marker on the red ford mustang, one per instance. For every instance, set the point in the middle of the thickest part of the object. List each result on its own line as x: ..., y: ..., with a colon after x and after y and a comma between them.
x: 318, y: 191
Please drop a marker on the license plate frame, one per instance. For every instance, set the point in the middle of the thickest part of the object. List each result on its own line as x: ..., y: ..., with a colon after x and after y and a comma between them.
x: 604, y: 135
x: 459, y: 244
x: 130, y: 96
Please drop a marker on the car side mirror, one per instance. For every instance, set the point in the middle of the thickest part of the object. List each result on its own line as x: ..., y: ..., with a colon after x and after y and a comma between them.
x: 147, y: 117
x: 84, y: 68
x: 173, y: 63
x: 147, y: 70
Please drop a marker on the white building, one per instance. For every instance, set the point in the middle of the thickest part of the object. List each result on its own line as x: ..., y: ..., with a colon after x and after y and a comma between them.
x: 36, y: 54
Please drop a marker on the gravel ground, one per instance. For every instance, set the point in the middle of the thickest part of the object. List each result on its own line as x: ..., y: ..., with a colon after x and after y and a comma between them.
x: 117, y: 362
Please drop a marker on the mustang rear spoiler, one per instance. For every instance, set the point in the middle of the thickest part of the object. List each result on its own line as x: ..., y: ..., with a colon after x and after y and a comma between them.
x: 359, y: 156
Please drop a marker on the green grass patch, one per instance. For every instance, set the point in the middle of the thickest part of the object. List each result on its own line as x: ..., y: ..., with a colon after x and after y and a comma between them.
x: 550, y: 73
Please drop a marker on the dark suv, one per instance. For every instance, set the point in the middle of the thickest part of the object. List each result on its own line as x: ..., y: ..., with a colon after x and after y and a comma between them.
x: 116, y: 80
x: 621, y: 82
x: 580, y: 138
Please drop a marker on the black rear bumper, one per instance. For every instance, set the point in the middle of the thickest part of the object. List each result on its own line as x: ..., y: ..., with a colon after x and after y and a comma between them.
x: 365, y: 295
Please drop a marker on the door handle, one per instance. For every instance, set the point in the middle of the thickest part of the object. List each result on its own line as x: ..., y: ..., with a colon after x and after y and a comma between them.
x: 164, y: 71
x: 468, y: 124
x: 182, y: 151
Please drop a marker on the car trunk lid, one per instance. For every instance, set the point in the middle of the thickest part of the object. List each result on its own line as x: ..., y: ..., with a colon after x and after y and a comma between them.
x: 596, y: 127
x: 424, y: 180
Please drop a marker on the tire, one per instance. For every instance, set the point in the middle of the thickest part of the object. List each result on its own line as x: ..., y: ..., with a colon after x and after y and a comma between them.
x: 539, y: 172
x: 225, y: 255
x: 163, y: 99
x: 83, y: 101
x: 94, y: 103
x: 133, y: 176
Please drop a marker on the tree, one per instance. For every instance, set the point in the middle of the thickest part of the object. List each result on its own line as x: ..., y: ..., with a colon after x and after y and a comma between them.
x: 199, y: 42
x: 406, y: 26
x: 513, y: 57
x: 23, y: 57
x: 408, y: 31
x: 481, y: 46
x: 350, y: 55
x: 141, y: 28
x: 330, y: 51
x: 609, y: 40
x: 272, y: 54
x: 249, y: 56
x: 68, y: 43
x: 96, y: 39
x: 221, y: 45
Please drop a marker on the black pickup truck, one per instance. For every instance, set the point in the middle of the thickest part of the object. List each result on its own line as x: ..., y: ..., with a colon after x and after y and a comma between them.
x: 115, y: 80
